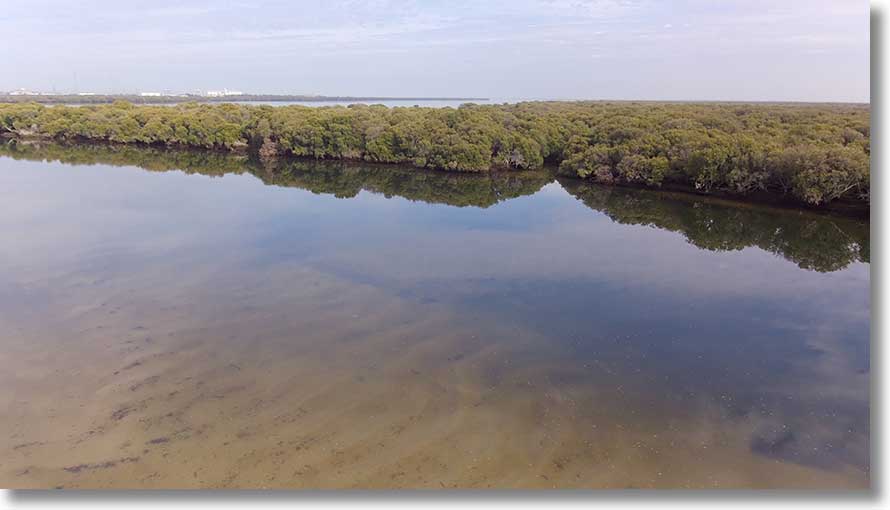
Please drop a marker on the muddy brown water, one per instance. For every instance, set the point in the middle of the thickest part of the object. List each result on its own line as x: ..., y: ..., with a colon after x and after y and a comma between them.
x: 340, y: 326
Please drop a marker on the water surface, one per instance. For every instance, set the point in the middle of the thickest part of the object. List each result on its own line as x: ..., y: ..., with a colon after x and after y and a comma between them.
x: 181, y: 319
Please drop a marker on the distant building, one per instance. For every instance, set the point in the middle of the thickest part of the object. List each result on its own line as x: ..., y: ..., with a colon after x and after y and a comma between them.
x: 150, y: 94
x: 23, y: 92
x: 86, y: 93
x: 223, y: 93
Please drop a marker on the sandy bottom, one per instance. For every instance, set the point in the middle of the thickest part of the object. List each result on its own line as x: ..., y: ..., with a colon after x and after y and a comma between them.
x: 312, y: 381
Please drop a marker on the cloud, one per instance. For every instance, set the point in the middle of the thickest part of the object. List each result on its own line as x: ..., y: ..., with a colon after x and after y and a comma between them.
x: 48, y: 40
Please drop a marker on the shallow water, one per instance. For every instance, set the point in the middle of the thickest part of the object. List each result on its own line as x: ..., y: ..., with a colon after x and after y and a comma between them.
x: 329, y: 325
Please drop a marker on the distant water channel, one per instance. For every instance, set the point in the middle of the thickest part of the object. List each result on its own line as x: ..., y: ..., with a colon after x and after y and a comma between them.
x: 389, y: 103
x: 184, y: 319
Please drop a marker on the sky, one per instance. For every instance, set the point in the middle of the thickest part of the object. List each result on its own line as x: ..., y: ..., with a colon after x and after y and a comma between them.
x: 758, y: 50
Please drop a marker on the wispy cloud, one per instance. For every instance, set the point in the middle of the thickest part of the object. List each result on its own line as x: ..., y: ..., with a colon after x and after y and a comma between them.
x: 136, y: 42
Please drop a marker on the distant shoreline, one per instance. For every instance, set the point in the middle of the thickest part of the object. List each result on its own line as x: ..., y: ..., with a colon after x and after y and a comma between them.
x: 187, y: 98
x: 285, y: 98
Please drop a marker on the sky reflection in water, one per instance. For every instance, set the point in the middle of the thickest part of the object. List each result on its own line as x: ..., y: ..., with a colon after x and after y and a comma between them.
x: 737, y: 327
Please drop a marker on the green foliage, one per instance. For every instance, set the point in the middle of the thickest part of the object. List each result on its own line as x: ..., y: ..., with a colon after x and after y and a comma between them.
x: 816, y: 241
x: 813, y: 153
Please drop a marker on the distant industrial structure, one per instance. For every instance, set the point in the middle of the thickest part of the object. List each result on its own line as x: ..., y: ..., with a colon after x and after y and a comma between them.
x: 25, y: 92
x: 23, y: 95
x: 223, y: 93
x: 209, y: 93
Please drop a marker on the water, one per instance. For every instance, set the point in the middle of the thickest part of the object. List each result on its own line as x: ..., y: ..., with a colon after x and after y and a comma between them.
x: 391, y: 103
x: 426, y: 103
x: 196, y: 320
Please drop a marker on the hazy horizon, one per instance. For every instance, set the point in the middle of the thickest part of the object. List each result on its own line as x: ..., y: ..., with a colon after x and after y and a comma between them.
x: 688, y: 50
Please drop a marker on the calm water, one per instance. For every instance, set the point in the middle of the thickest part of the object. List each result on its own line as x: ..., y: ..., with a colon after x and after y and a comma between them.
x: 195, y: 320
x: 426, y: 103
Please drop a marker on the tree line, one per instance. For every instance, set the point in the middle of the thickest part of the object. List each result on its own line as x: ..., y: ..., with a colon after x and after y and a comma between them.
x: 809, y: 153
x: 812, y: 240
